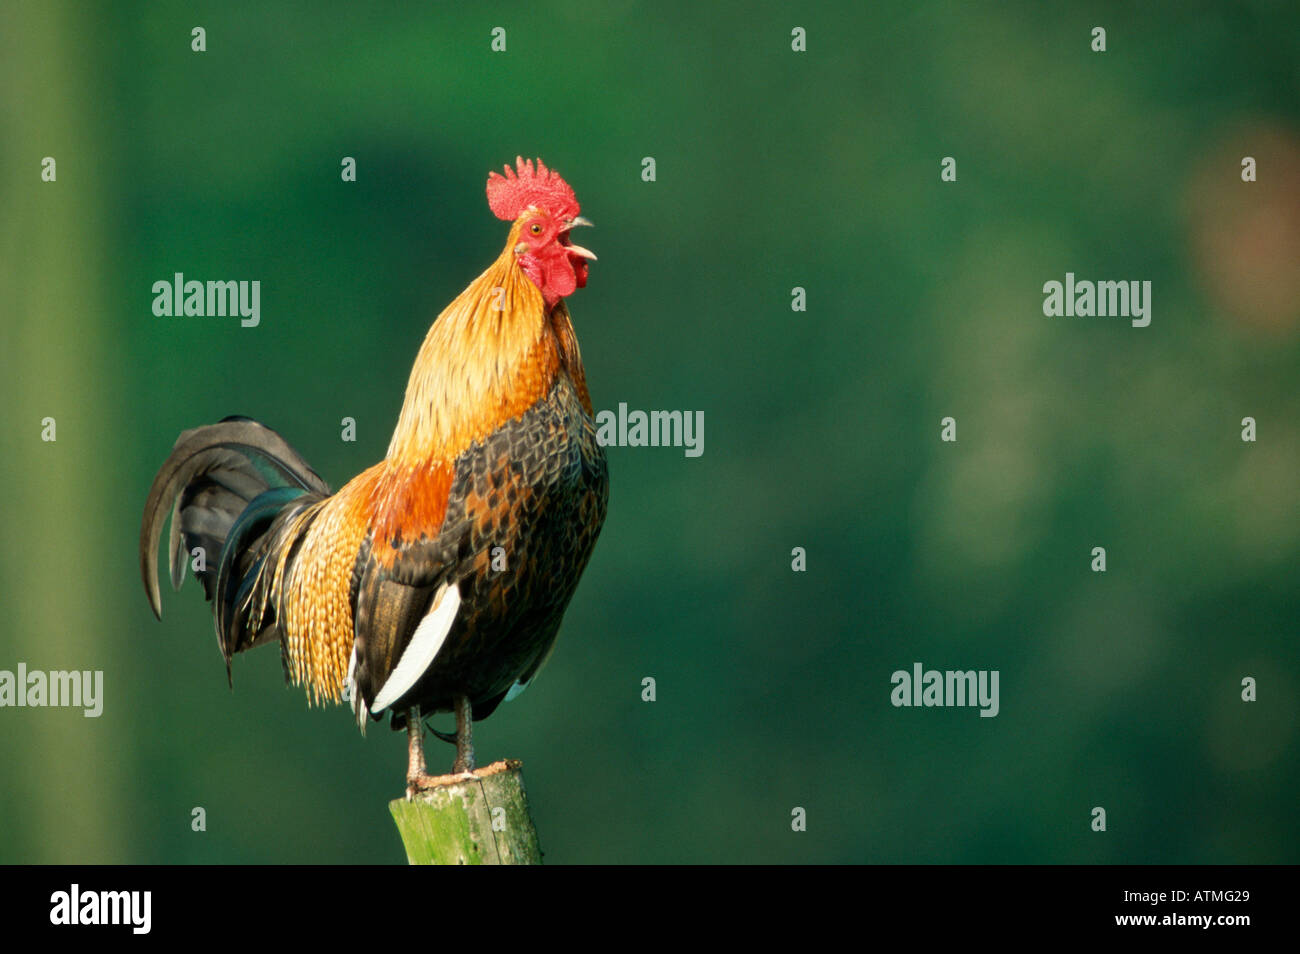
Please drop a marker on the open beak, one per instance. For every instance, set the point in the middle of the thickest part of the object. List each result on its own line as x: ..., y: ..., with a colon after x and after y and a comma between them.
x: 578, y: 249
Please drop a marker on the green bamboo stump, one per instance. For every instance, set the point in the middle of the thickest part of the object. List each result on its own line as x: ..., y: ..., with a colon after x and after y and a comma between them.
x: 477, y: 819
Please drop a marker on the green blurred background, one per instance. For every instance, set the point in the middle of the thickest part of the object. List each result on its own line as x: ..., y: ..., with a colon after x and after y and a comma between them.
x: 775, y: 169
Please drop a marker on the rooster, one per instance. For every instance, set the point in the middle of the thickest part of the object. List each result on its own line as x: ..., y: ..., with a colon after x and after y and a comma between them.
x: 435, y: 580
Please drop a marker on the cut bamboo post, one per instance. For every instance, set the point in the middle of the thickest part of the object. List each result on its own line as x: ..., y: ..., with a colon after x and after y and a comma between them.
x: 477, y: 819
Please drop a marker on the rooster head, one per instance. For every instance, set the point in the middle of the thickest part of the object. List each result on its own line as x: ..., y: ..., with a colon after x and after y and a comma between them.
x: 544, y: 209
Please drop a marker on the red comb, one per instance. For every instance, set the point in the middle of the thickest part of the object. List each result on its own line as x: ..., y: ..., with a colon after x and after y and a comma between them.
x: 510, y: 194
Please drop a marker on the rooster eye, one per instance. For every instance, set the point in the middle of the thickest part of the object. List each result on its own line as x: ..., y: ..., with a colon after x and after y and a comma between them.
x: 535, y: 229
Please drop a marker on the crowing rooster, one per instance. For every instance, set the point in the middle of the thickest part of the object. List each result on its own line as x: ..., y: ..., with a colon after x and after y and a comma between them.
x: 435, y: 580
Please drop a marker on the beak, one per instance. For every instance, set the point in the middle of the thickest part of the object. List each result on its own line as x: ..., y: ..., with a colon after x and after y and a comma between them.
x: 578, y: 249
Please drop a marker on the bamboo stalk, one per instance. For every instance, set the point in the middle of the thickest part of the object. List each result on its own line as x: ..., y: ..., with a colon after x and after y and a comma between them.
x: 477, y: 819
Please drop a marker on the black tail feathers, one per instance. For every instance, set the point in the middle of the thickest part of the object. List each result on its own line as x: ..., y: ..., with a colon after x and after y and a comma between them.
x: 225, y: 486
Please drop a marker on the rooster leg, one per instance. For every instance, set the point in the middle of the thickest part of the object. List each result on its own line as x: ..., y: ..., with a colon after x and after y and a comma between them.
x: 417, y: 777
x: 464, y: 735
x: 415, y: 773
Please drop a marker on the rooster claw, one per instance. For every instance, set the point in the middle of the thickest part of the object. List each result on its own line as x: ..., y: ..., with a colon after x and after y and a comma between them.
x: 445, y: 736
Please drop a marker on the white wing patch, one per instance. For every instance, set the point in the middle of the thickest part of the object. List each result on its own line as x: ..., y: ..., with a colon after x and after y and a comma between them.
x: 423, y: 647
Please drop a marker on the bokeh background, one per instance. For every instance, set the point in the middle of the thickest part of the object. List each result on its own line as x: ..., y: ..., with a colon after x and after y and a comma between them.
x: 775, y: 169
